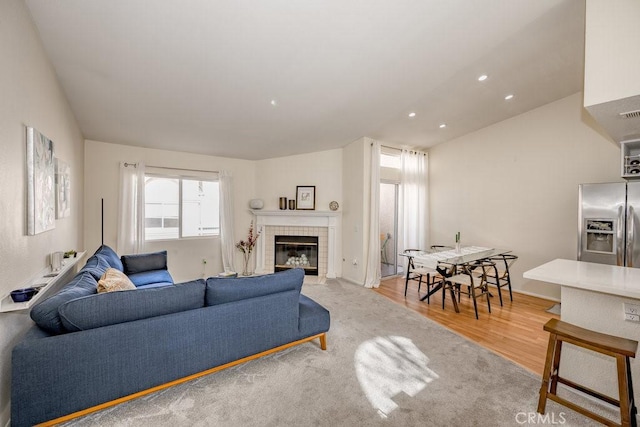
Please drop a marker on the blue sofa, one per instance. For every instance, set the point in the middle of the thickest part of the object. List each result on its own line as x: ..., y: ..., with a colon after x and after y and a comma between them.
x: 95, y: 349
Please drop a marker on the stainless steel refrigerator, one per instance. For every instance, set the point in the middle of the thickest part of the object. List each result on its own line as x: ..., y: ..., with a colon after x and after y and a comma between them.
x: 609, y: 227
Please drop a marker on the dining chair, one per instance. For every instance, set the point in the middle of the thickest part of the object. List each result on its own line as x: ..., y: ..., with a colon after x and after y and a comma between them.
x: 500, y: 276
x: 473, y: 276
x: 418, y: 272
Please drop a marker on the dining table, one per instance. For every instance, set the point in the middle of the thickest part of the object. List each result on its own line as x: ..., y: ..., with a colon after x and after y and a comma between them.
x: 447, y: 261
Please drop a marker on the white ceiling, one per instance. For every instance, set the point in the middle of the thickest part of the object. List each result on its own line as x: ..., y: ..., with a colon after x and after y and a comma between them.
x: 199, y: 75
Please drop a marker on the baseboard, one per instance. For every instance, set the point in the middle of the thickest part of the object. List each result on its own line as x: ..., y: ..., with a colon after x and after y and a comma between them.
x: 533, y: 294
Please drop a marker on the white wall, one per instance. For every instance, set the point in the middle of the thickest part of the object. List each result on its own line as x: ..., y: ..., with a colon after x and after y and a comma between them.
x: 515, y: 185
x: 31, y: 96
x: 355, y: 209
x: 611, y: 59
x: 279, y: 177
x: 184, y: 257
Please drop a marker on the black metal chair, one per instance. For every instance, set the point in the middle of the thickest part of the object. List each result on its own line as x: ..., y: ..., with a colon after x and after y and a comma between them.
x: 418, y: 272
x: 500, y: 277
x: 474, y: 277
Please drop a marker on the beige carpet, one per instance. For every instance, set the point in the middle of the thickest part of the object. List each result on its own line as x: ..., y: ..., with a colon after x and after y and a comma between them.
x: 384, y: 366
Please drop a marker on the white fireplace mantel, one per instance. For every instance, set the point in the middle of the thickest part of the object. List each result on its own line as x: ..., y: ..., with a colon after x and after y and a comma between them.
x: 295, y: 218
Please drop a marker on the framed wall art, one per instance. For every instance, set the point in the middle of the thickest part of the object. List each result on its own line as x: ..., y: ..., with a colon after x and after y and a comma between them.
x: 41, y: 202
x: 306, y: 197
x: 63, y: 189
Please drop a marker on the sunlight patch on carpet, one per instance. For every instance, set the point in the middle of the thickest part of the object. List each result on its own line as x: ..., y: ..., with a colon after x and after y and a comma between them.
x: 386, y: 366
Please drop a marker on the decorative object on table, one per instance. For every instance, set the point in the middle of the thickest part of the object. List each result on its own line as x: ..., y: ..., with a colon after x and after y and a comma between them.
x: 334, y: 205
x: 63, y: 189
x: 23, y: 295
x: 306, y: 197
x: 292, y: 204
x: 246, y: 246
x: 41, y: 203
x: 56, y: 260
x: 283, y: 203
x: 228, y: 274
x: 458, y: 242
x: 71, y: 254
x: 256, y: 203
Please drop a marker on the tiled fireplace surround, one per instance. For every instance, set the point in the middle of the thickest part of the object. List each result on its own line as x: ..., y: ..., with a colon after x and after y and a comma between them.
x: 297, y: 223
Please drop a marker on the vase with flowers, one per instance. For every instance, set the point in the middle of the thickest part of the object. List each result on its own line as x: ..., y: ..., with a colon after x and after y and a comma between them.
x: 246, y: 246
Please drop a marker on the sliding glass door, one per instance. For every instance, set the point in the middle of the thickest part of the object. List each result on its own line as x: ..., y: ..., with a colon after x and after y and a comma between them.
x: 389, y: 229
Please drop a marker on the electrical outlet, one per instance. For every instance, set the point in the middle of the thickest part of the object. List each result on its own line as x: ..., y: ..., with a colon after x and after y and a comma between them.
x: 632, y: 317
x: 631, y: 308
x: 631, y: 312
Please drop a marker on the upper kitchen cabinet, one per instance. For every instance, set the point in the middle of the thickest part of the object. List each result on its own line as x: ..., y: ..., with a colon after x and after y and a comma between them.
x: 612, y: 61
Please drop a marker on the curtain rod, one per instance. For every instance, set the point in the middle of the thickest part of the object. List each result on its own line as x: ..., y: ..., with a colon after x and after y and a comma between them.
x: 402, y: 149
x: 135, y: 165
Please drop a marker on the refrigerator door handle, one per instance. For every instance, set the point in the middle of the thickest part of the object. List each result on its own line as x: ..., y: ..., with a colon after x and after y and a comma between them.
x: 620, y: 238
x: 630, y: 233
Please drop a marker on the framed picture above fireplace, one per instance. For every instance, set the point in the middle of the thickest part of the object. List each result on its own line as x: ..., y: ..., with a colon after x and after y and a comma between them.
x: 306, y: 197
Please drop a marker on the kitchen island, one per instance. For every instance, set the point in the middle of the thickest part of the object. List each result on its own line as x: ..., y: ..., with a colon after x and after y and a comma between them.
x: 593, y: 297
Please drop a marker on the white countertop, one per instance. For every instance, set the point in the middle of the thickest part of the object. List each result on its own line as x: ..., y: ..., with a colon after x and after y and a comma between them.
x: 608, y: 279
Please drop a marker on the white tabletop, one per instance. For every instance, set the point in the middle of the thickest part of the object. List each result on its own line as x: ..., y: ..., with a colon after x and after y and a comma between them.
x: 466, y: 254
x: 608, y: 279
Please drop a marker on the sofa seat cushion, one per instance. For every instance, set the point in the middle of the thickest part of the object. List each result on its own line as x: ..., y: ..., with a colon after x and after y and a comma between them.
x: 45, y: 313
x: 314, y: 318
x: 110, y: 256
x: 153, y: 277
x: 224, y: 290
x: 96, y: 265
x: 111, y: 308
x: 139, y: 263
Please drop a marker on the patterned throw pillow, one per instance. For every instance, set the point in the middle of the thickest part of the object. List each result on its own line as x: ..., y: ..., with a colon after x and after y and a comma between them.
x: 114, y: 280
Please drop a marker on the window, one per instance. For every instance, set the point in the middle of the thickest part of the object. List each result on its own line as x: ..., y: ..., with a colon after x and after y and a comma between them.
x: 389, y: 158
x: 179, y: 207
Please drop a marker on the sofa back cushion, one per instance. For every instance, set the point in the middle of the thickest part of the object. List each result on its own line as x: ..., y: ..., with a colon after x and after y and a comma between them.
x: 110, y: 256
x: 45, y: 313
x: 144, y: 262
x: 97, y: 265
x: 111, y: 308
x: 223, y: 290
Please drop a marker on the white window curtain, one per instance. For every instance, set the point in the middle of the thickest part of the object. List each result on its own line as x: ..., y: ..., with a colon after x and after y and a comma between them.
x: 372, y: 273
x: 130, y: 239
x: 227, y: 241
x: 413, y: 201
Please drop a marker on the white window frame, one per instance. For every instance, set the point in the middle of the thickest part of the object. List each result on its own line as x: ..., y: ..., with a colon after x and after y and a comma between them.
x: 181, y: 175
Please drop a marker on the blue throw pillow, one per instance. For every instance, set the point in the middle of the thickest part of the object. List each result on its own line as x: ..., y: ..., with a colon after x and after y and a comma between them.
x: 111, y: 256
x: 111, y: 308
x: 223, y: 290
x: 144, y: 262
x: 153, y: 277
x: 45, y: 313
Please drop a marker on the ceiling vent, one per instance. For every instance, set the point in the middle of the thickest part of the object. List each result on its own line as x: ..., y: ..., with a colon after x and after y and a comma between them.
x: 630, y: 114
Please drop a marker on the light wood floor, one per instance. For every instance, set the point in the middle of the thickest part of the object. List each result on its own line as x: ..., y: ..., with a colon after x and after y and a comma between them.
x: 513, y: 331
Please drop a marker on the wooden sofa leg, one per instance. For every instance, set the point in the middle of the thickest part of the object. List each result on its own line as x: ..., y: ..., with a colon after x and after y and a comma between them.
x: 323, y: 341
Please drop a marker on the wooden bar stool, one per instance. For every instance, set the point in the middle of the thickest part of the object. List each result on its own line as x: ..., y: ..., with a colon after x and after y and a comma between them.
x: 620, y: 348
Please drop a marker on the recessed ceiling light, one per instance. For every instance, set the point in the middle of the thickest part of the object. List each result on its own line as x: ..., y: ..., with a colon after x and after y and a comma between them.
x: 443, y: 125
x: 274, y: 102
x: 508, y: 97
x: 482, y: 78
x: 412, y: 114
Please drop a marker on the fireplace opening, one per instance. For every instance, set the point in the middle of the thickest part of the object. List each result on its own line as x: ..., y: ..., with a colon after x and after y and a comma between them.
x: 296, y: 252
